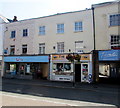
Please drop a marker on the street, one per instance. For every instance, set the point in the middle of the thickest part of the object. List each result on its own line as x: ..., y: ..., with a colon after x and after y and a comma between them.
x: 17, y: 94
x: 14, y: 99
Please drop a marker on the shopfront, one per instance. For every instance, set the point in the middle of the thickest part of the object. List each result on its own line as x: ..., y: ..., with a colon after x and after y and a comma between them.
x: 24, y: 67
x: 109, y: 65
x: 61, y: 69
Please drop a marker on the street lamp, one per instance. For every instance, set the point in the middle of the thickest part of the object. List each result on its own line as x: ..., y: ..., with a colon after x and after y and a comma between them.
x: 72, y: 57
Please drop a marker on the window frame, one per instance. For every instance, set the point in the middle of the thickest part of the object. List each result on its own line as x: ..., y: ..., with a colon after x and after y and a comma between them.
x: 24, y: 46
x: 59, y: 47
x: 12, y: 49
x: 78, y: 26
x: 13, y: 34
x: 114, y: 41
x: 42, y: 30
x: 60, y: 28
x: 114, y: 21
x: 25, y: 32
x: 41, y: 48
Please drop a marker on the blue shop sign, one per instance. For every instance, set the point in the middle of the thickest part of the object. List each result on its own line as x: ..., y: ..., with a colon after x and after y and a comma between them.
x: 109, y: 55
x: 27, y: 59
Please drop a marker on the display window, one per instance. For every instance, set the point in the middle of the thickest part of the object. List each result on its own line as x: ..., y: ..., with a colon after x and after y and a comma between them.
x: 104, y: 70
x: 62, y: 68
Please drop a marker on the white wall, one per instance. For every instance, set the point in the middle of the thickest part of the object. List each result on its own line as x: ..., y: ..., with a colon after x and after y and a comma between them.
x: 103, y: 30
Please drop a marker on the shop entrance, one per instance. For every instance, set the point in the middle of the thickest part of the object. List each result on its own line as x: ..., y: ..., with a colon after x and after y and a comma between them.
x: 78, y: 72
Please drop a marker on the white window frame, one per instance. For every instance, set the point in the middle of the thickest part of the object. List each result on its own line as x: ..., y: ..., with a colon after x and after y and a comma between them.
x: 42, y: 30
x: 13, y: 34
x: 24, y: 46
x: 80, y: 48
x: 60, y: 47
x: 114, y: 42
x: 41, y: 48
x: 115, y: 21
x: 12, y: 47
x: 60, y: 28
x: 78, y: 26
x: 25, y: 32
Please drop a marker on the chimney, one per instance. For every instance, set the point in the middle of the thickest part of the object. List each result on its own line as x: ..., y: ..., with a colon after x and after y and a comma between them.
x: 15, y: 19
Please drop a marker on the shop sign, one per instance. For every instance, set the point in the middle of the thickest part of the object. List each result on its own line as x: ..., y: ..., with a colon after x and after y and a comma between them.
x: 63, y: 57
x: 85, y: 56
x: 109, y: 55
x: 27, y: 59
x: 59, y: 57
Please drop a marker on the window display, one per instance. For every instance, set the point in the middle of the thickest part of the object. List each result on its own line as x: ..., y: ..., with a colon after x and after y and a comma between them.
x: 62, y: 68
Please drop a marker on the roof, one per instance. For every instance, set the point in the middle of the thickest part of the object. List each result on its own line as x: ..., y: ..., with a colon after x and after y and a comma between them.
x: 4, y: 18
x: 105, y: 3
x: 53, y: 15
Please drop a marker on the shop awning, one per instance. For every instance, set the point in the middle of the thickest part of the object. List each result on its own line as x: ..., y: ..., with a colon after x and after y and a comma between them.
x: 26, y: 59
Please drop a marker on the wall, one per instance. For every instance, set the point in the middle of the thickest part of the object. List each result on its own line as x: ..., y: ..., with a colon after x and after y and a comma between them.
x: 69, y: 36
x: 102, y: 28
x: 19, y: 40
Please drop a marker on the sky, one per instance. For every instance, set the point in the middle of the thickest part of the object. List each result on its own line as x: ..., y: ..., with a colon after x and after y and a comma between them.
x: 27, y: 9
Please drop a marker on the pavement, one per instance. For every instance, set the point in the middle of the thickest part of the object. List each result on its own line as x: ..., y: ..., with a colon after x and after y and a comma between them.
x: 98, y: 87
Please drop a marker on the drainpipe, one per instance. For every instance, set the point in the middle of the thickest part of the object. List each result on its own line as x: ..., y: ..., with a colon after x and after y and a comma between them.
x: 93, y: 16
x: 95, y: 52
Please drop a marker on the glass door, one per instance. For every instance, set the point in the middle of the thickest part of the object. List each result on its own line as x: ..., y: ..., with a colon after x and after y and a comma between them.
x: 84, y: 72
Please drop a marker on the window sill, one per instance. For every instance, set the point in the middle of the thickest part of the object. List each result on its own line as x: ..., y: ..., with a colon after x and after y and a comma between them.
x: 77, y: 31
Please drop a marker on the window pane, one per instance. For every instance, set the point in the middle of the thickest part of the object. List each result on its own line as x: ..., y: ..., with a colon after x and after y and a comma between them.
x: 78, y: 26
x: 60, y: 28
x: 115, y: 20
x: 42, y: 30
x: 60, y: 47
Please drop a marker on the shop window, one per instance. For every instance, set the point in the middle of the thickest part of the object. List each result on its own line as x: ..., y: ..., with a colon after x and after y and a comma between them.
x: 62, y: 68
x: 42, y: 48
x: 104, y: 70
x: 12, y: 49
x: 60, y: 47
x: 24, y: 49
x: 115, y: 42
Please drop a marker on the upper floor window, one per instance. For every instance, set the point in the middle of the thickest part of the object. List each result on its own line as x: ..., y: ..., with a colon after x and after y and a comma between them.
x: 79, y: 45
x: 60, y: 47
x: 42, y: 48
x: 13, y: 33
x: 115, y: 20
x: 78, y: 26
x: 24, y: 49
x: 25, y: 32
x: 42, y: 30
x: 12, y: 49
x: 115, y: 42
x: 60, y: 28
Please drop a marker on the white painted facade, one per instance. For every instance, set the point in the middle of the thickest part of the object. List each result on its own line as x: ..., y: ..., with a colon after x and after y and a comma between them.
x: 51, y: 37
x: 103, y: 29
x: 3, y: 20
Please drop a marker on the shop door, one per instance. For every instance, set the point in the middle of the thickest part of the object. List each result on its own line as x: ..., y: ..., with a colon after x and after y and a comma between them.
x: 78, y: 72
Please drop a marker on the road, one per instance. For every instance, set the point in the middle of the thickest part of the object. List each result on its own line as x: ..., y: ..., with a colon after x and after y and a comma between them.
x: 63, y: 96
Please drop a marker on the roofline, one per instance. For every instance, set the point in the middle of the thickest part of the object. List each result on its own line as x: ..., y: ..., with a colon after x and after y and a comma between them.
x: 4, y: 19
x: 105, y: 4
x: 52, y: 15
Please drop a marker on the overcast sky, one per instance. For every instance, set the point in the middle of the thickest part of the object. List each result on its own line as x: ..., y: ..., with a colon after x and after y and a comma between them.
x: 26, y: 9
